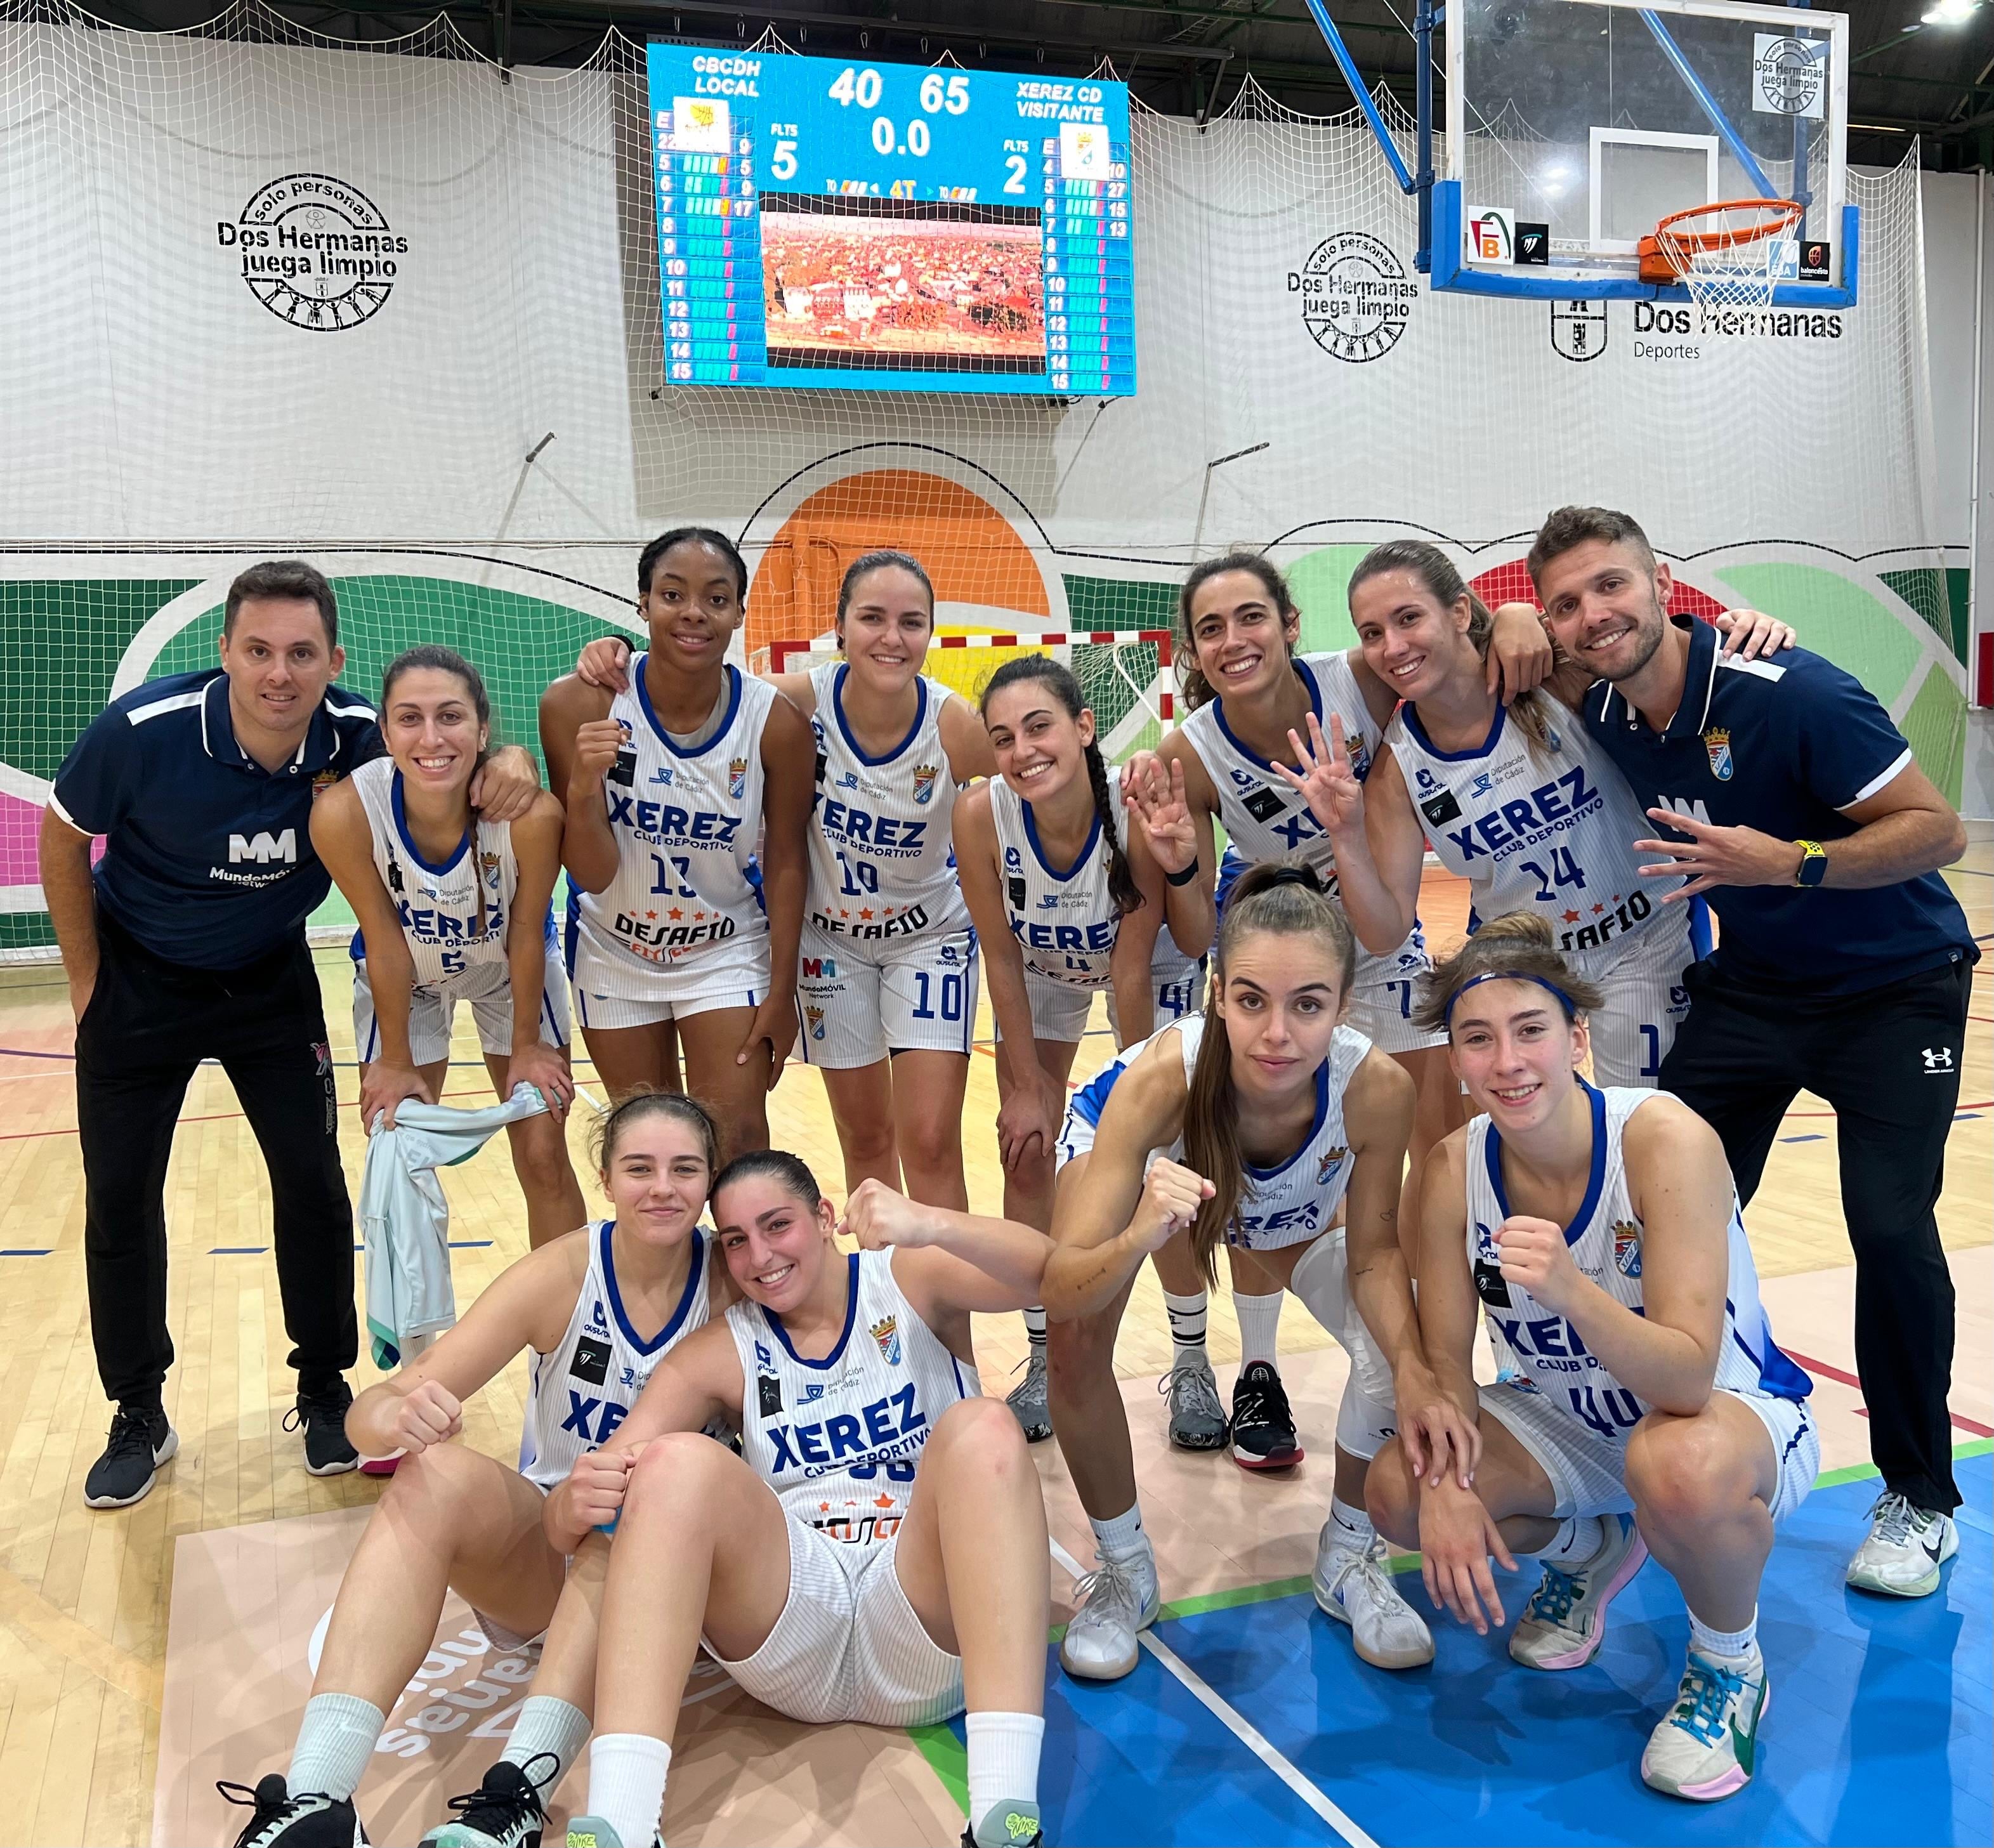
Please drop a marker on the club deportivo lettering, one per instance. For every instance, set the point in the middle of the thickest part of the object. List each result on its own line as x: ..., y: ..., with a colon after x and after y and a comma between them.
x: 883, y: 837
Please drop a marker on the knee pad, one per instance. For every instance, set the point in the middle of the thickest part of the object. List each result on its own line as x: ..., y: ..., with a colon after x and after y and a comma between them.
x: 1365, y: 1423
x: 1321, y: 1278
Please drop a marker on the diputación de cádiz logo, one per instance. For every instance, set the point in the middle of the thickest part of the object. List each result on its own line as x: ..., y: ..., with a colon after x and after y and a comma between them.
x: 315, y: 252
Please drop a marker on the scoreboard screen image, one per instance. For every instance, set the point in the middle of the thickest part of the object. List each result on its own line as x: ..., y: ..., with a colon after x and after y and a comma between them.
x: 825, y: 224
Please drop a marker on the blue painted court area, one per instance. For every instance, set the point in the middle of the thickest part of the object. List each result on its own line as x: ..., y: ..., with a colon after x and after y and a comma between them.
x: 1880, y: 1729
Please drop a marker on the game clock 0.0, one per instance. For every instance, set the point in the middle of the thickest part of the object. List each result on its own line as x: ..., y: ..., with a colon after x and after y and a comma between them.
x: 828, y: 223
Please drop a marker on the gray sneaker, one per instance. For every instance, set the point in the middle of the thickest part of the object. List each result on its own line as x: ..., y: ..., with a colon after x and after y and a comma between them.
x: 1118, y: 1599
x: 1198, y: 1417
x: 1028, y: 1400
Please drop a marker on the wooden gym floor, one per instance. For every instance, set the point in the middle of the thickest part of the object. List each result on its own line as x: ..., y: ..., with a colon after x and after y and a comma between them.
x: 89, y: 1689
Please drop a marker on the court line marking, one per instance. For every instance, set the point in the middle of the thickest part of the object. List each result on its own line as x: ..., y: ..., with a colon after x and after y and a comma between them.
x: 1236, y: 1723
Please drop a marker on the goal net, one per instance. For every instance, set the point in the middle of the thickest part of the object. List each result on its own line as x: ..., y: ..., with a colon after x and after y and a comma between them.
x: 1128, y: 682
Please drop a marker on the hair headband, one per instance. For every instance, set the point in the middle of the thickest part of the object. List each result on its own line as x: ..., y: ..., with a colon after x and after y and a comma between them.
x: 1571, y: 1007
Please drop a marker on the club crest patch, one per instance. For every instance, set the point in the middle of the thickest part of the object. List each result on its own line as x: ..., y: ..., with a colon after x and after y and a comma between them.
x: 1627, y: 1246
x: 814, y: 1015
x: 1332, y: 1160
x: 1717, y: 741
x: 924, y: 781
x: 886, y: 1331
x: 736, y: 778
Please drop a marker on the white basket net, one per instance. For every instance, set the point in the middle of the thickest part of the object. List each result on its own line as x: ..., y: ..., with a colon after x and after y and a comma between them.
x: 1730, y: 258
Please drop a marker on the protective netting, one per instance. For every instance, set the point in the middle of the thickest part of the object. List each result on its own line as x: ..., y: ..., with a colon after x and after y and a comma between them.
x: 268, y: 291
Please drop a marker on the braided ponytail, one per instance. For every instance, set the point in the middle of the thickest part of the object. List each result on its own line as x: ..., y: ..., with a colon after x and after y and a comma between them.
x: 1047, y: 672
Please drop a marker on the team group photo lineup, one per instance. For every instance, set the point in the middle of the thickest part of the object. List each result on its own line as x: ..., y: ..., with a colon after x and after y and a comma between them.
x: 1506, y: 1171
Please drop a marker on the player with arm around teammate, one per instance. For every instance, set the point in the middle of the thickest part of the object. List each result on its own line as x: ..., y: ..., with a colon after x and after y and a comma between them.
x: 596, y: 1310
x: 1253, y: 1124
x: 1246, y: 687
x: 453, y: 908
x: 684, y: 930
x: 886, y: 994
x: 1515, y: 799
x: 1651, y: 1411
x: 878, y: 1551
x: 1066, y: 888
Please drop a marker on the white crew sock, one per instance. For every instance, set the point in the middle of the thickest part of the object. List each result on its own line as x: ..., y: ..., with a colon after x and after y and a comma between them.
x: 546, y: 1728
x: 1726, y: 1645
x: 1035, y: 1331
x: 1260, y: 1323
x: 335, y: 1739
x: 1576, y: 1540
x: 1187, y: 1323
x: 1122, y: 1537
x: 1003, y: 1772
x: 1351, y: 1526
x: 626, y: 1784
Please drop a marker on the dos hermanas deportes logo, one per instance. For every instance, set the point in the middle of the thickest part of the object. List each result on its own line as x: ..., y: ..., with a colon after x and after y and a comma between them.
x: 315, y: 252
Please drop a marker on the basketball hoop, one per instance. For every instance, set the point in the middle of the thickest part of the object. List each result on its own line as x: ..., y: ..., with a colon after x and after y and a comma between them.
x: 1727, y: 255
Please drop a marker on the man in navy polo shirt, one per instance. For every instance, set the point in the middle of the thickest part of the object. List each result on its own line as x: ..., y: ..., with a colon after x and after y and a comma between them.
x: 1843, y: 966
x: 188, y: 942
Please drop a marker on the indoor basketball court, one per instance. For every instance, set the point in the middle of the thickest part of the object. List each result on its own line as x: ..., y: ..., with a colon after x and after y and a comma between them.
x: 464, y: 309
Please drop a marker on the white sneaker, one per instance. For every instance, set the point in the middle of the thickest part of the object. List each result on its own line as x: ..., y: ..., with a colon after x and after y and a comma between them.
x: 1357, y: 1588
x: 1118, y: 1598
x: 1906, y: 1547
x: 1564, y: 1623
x: 1709, y: 1746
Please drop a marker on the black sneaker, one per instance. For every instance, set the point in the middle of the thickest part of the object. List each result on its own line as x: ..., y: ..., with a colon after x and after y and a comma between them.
x: 1262, y: 1431
x: 311, y: 1820
x: 323, y: 1416
x: 504, y: 1811
x: 141, y: 1441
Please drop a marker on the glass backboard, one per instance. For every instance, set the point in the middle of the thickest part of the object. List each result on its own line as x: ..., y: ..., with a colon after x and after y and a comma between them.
x: 1573, y: 126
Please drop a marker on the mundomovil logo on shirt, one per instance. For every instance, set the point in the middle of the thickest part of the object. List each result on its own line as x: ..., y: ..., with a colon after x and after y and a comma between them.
x: 258, y: 849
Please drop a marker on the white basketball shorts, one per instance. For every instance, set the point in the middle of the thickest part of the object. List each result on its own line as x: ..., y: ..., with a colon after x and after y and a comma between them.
x: 847, y: 1645
x: 858, y: 1001
x: 431, y: 1010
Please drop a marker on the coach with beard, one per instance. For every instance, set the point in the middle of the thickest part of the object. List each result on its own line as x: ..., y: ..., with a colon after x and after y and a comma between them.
x: 1844, y: 964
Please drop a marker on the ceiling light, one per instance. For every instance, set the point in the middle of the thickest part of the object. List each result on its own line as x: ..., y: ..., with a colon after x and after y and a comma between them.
x: 1951, y: 12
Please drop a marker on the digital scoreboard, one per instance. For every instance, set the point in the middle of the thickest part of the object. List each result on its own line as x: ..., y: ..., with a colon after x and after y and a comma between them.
x: 823, y: 223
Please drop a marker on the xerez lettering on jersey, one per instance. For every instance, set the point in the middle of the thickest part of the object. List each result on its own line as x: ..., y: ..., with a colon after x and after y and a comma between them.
x: 661, y: 820
x: 876, y: 833
x: 848, y: 1442
x: 1550, y: 808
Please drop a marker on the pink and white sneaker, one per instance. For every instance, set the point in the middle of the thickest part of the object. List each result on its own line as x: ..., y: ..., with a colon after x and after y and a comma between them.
x: 1564, y: 1623
x: 1709, y: 1746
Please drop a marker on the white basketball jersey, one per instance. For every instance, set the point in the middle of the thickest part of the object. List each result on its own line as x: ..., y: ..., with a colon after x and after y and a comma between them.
x: 839, y: 1439
x: 1065, y: 922
x: 582, y: 1390
x: 439, y: 905
x: 882, y: 860
x: 686, y: 824
x: 1289, y: 1204
x: 1551, y: 832
x: 1265, y: 819
x: 1605, y: 1243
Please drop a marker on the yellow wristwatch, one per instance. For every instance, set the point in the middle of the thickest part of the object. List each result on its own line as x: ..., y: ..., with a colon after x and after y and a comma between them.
x: 1814, y: 863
